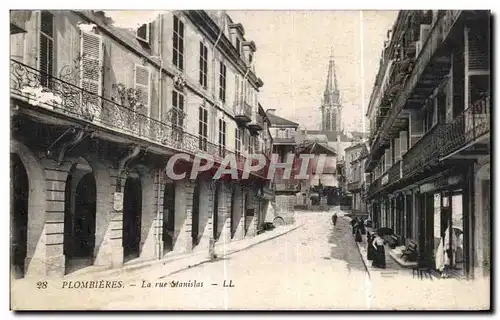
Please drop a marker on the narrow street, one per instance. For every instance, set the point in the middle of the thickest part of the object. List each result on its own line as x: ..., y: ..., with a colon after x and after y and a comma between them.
x: 314, y: 267
x: 317, y: 267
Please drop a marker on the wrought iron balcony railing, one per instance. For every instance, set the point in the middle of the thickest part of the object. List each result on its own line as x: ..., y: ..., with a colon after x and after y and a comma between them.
x: 354, y: 186
x: 48, y: 92
x: 243, y: 111
x: 375, y: 186
x: 423, y: 152
x: 395, y: 172
x: 472, y: 124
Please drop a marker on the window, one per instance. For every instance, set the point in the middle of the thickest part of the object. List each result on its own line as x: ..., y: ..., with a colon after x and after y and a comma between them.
x: 238, y: 45
x: 222, y: 137
x: 144, y: 32
x: 91, y: 53
x: 142, y: 84
x: 250, y: 57
x: 251, y: 144
x: 177, y: 115
x: 237, y: 135
x: 430, y: 114
x: 46, y: 53
x: 203, y: 65
x: 203, y: 128
x: 178, y: 48
x: 222, y: 82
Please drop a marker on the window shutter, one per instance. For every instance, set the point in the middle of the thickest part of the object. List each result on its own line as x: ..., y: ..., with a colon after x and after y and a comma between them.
x: 142, y: 81
x: 91, y: 64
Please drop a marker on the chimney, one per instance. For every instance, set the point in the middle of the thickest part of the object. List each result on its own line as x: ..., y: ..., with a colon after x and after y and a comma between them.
x: 270, y: 111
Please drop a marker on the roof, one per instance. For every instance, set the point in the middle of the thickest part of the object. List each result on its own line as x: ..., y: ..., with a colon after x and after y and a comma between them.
x: 316, y: 148
x: 330, y: 135
x: 279, y: 121
x: 356, y: 146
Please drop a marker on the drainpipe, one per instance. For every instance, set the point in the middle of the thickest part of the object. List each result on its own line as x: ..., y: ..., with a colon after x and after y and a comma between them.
x: 160, y: 113
x: 212, y: 254
x: 158, y: 216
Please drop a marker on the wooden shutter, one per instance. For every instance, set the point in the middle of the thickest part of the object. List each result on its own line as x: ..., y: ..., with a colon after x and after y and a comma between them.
x: 142, y: 83
x: 91, y: 63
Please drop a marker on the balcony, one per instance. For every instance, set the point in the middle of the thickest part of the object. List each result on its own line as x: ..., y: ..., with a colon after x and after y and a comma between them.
x: 292, y: 187
x: 395, y: 172
x: 243, y: 113
x: 257, y: 124
x: 466, y: 129
x: 423, y: 154
x: 374, y: 187
x: 354, y: 186
x: 431, y: 66
x: 56, y: 97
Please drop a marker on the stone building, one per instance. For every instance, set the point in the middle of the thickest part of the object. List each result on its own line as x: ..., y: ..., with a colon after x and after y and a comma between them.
x: 283, y: 132
x: 356, y: 180
x: 96, y: 113
x: 429, y: 157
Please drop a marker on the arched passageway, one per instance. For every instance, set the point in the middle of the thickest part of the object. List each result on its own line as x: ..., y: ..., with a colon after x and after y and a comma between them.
x: 80, y: 217
x: 195, y: 232
x: 132, y: 215
x: 169, y: 217
x: 19, y: 215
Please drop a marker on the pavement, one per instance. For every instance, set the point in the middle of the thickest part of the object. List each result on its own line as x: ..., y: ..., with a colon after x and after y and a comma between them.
x: 317, y: 266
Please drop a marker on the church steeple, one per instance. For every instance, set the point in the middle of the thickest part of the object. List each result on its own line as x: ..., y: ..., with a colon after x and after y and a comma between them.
x: 330, y: 106
x: 331, y: 95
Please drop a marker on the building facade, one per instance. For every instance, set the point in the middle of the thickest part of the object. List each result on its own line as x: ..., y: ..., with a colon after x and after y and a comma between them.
x: 356, y: 182
x: 429, y: 160
x: 96, y: 113
x: 283, y: 132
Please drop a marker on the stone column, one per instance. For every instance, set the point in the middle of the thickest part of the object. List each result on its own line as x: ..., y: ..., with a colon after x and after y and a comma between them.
x: 184, y: 190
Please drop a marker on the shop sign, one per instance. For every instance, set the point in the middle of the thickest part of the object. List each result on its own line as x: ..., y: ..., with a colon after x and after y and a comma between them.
x: 118, y: 201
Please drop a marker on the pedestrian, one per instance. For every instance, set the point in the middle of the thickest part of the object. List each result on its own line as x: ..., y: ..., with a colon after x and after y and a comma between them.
x: 334, y: 219
x: 370, y: 250
x: 357, y: 235
x: 379, y: 254
x: 362, y: 226
x: 354, y: 224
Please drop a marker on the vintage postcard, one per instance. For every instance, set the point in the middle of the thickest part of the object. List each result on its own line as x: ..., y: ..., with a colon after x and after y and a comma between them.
x: 250, y: 160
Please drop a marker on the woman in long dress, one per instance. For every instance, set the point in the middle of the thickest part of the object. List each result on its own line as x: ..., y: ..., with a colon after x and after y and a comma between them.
x: 379, y: 254
x: 370, y: 250
x: 357, y: 235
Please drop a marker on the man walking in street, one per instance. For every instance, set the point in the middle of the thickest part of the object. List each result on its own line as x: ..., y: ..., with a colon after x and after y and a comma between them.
x: 334, y: 219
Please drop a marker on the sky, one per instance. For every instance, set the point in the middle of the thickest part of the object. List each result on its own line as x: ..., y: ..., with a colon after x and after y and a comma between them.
x: 293, y: 51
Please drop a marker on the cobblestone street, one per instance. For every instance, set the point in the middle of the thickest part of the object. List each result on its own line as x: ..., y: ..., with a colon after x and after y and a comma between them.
x: 317, y: 266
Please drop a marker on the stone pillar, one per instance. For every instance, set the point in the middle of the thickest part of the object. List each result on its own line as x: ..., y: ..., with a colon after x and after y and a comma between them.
x: 149, y: 218
x: 109, y: 222
x: 205, y: 215
x: 224, y: 213
x: 49, y: 249
x: 250, y: 219
x: 238, y: 224
x: 184, y: 190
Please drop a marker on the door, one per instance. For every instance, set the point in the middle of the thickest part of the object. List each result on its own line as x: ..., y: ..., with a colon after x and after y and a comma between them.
x: 132, y: 213
x: 169, y: 217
